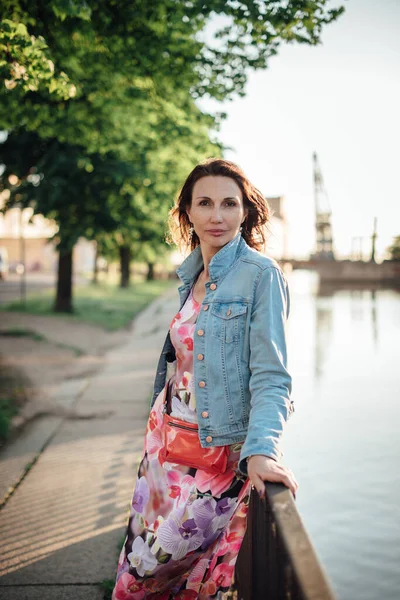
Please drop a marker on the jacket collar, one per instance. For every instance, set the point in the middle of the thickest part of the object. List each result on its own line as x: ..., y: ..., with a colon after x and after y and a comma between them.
x: 219, y: 265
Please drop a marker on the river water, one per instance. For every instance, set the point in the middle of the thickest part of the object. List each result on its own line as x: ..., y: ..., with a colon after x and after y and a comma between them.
x: 343, y: 441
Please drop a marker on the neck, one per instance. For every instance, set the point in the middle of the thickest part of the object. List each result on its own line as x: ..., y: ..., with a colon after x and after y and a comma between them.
x: 207, y: 253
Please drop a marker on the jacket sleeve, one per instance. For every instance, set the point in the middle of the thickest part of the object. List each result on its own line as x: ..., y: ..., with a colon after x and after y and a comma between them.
x: 270, y: 383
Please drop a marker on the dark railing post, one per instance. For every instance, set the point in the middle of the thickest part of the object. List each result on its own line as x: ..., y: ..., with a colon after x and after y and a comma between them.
x: 277, y: 560
x: 243, y: 571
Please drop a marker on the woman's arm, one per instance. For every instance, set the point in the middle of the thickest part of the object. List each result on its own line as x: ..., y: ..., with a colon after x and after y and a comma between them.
x: 270, y: 383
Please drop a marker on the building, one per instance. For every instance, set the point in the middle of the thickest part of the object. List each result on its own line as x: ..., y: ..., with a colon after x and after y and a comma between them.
x: 26, y: 238
x: 277, y: 238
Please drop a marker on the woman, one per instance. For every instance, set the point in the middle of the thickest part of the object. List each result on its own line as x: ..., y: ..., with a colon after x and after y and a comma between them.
x: 228, y: 373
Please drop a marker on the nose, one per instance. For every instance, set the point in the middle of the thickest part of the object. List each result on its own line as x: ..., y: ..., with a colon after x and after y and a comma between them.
x: 216, y: 216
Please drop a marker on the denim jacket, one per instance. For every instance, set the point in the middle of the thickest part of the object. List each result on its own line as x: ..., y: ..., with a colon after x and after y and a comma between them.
x: 239, y: 357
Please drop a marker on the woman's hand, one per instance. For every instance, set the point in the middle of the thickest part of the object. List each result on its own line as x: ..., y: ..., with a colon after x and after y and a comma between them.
x: 264, y: 468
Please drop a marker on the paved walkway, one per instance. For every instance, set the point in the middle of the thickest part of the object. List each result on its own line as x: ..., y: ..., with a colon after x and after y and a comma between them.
x: 62, y: 527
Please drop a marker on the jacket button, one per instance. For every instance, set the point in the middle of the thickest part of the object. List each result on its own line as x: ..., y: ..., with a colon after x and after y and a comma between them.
x: 200, y: 356
x: 200, y: 332
x: 205, y: 307
x: 202, y: 384
x: 204, y: 414
x: 213, y: 286
x: 209, y: 438
x: 228, y: 312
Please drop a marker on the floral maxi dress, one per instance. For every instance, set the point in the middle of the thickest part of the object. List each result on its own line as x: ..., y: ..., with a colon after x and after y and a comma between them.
x: 186, y: 525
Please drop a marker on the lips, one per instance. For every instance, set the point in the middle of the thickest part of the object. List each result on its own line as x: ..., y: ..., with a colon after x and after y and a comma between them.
x: 216, y: 230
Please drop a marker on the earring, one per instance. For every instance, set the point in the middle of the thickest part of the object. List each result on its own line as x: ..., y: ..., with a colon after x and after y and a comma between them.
x: 240, y: 229
x: 191, y: 230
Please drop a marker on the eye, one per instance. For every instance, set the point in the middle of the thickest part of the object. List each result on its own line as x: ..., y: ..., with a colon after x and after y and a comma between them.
x: 231, y: 203
x: 202, y: 201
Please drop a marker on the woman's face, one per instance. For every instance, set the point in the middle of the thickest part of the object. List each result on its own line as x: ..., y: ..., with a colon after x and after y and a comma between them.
x: 217, y: 210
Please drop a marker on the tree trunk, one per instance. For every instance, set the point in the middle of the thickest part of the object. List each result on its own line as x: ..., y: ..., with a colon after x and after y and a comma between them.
x: 125, y: 263
x: 150, y: 272
x: 64, y: 282
x: 95, y: 266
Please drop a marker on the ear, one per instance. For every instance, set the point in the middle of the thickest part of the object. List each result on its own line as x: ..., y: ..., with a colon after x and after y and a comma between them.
x: 188, y: 214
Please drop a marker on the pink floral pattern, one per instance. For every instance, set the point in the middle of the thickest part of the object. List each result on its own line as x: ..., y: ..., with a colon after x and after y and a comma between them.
x: 181, y: 331
x: 186, y: 526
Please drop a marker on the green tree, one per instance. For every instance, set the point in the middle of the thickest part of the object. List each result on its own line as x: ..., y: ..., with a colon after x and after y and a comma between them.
x: 64, y: 183
x: 156, y: 39
x: 122, y: 77
x: 160, y: 174
x: 394, y: 249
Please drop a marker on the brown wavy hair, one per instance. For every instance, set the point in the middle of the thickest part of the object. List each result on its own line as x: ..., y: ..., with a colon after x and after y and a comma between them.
x: 254, y: 226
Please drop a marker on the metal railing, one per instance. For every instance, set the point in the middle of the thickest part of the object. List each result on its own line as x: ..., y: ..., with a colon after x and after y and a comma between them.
x: 277, y: 560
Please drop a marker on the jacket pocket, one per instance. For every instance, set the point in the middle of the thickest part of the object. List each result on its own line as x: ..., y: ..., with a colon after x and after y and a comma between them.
x: 228, y: 320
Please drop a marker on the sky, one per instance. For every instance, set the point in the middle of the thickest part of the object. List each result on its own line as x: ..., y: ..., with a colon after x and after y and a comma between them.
x: 340, y: 99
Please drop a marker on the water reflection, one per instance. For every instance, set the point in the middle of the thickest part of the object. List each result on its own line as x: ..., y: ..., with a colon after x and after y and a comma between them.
x: 323, y: 333
x: 374, y: 317
x: 343, y: 440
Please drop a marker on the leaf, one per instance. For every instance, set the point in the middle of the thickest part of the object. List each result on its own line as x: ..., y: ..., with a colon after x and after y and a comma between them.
x: 162, y: 557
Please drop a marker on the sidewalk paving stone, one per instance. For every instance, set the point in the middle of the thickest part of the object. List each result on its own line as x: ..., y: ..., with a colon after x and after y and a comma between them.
x: 59, y: 592
x: 65, y: 523
x: 15, y: 458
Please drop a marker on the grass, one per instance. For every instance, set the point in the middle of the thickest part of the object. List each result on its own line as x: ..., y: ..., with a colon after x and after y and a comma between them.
x: 12, y: 397
x: 38, y: 337
x: 8, y: 410
x: 107, y: 585
x: 22, y: 332
x: 105, y: 304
